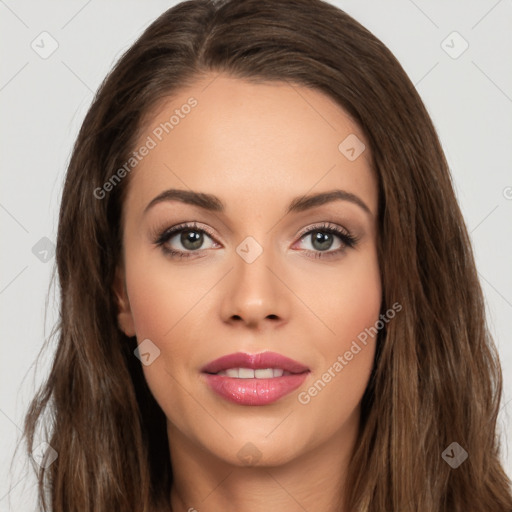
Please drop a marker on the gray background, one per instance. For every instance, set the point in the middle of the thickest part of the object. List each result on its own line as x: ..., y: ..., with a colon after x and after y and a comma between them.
x: 43, y: 102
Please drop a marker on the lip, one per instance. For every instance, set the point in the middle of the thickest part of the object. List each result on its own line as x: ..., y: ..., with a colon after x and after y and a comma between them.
x: 254, y: 391
x: 254, y: 361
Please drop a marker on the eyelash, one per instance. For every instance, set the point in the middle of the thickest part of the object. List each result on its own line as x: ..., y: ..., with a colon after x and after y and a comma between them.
x: 348, y: 241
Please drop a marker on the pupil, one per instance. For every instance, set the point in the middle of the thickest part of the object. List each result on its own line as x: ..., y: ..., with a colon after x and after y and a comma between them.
x: 191, y: 239
x: 324, y: 240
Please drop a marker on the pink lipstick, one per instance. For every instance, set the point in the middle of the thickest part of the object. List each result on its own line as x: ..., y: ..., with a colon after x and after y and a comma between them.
x: 254, y: 379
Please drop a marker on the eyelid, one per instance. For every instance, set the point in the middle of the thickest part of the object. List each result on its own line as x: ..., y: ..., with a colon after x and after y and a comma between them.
x: 160, y: 235
x: 323, y: 225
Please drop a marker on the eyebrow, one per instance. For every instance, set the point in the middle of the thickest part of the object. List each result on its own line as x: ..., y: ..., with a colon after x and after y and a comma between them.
x: 299, y: 204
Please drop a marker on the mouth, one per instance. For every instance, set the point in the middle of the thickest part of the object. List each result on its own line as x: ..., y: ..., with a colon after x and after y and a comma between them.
x: 254, y: 379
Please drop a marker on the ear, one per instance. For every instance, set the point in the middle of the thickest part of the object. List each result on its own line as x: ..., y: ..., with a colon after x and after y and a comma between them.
x: 124, y: 312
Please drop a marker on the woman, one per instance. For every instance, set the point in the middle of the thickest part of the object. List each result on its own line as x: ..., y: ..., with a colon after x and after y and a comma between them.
x: 269, y: 297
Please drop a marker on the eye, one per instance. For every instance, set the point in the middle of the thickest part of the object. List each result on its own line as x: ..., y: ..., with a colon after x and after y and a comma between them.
x: 180, y: 240
x: 322, y: 238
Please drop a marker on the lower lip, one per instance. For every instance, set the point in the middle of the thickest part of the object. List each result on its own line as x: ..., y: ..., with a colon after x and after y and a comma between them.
x: 254, y: 391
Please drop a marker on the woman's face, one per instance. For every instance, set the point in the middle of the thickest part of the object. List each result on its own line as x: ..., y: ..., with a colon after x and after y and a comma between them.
x: 261, y: 269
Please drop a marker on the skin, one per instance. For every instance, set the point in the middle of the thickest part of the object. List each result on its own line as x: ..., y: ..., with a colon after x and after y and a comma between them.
x: 256, y: 147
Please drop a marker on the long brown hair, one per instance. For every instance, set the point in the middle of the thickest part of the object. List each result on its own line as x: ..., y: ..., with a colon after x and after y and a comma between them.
x: 436, y: 376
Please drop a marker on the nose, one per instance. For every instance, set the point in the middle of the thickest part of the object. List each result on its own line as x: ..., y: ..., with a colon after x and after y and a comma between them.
x: 254, y: 294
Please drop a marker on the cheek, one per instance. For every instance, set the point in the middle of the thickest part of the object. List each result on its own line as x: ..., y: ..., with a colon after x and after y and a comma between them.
x: 350, y: 306
x: 165, y: 302
x: 155, y: 306
x: 346, y: 300
x: 359, y: 298
x: 159, y: 302
x: 160, y: 295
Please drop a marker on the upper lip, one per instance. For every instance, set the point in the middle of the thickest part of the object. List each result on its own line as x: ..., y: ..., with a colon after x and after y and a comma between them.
x: 254, y: 361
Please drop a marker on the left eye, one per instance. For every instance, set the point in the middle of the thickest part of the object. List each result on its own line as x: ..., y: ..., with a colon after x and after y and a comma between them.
x: 321, y: 240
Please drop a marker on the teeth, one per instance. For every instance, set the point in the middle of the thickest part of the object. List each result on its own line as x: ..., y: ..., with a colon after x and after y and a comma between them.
x: 249, y: 373
x: 245, y: 373
x: 267, y: 373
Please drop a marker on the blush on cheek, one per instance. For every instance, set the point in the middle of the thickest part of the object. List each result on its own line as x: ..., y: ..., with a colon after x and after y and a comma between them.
x: 153, y: 309
x: 360, y: 318
x: 365, y: 297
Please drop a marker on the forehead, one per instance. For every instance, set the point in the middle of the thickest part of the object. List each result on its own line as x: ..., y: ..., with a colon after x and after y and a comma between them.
x: 250, y: 143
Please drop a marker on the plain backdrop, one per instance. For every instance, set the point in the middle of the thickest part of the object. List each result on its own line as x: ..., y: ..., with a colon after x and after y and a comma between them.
x: 457, y: 54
